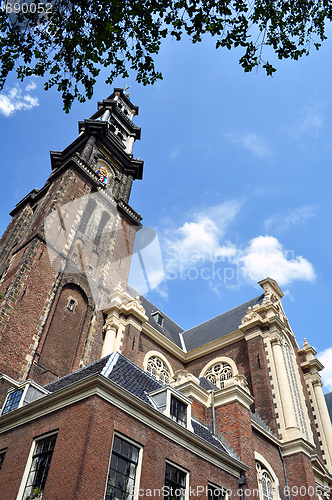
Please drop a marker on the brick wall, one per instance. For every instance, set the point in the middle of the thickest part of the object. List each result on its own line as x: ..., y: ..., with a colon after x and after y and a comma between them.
x: 260, y: 382
x: 31, y: 326
x: 233, y: 421
x: 300, y: 477
x: 79, y: 466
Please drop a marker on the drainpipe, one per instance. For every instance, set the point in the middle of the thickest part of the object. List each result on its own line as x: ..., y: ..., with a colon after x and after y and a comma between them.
x: 213, y: 414
x: 285, y: 471
x: 242, y: 481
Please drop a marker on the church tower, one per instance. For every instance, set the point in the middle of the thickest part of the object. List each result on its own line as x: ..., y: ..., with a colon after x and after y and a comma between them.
x: 66, y: 247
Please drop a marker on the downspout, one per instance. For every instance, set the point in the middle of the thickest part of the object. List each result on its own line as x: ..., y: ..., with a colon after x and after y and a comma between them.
x: 242, y: 481
x: 213, y: 414
x: 285, y: 471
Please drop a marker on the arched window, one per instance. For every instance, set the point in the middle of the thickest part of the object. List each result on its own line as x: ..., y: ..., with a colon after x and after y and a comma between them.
x: 266, y: 483
x: 64, y: 339
x: 219, y: 372
x: 158, y: 369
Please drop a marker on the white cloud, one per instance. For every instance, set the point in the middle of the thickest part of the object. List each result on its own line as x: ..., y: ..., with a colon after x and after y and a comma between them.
x: 199, y: 249
x: 199, y: 239
x: 253, y: 143
x: 280, y: 222
x: 30, y: 86
x: 310, y: 122
x: 17, y: 100
x: 176, y: 151
x: 326, y: 358
x: 265, y: 256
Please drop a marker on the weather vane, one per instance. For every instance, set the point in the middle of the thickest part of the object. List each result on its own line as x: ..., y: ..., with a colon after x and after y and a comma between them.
x: 125, y: 91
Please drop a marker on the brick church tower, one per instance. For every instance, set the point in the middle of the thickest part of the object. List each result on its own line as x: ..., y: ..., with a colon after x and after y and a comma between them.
x: 55, y: 269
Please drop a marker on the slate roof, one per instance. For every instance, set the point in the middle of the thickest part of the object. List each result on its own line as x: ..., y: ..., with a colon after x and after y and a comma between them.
x: 202, y: 334
x: 217, y: 327
x: 134, y: 380
x: 96, y: 367
x: 170, y: 329
x: 203, y: 431
x: 328, y: 399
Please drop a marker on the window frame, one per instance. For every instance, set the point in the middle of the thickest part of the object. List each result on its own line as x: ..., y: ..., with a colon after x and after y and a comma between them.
x: 185, y: 496
x: 178, y: 407
x: 8, y: 405
x: 264, y: 465
x: 131, y: 442
x: 158, y: 317
x: 212, y: 486
x: 163, y: 404
x: 29, y: 462
x: 24, y: 387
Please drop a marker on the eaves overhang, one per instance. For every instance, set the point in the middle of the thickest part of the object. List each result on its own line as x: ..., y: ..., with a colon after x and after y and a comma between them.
x: 100, y: 386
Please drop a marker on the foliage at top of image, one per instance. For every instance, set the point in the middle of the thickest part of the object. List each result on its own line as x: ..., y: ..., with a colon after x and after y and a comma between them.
x: 68, y: 42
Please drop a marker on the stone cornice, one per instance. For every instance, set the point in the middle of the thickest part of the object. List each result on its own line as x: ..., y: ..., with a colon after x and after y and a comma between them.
x: 297, y: 445
x: 313, y: 365
x: 98, y: 385
x: 233, y: 394
x: 189, y: 385
x: 272, y: 285
x: 320, y: 469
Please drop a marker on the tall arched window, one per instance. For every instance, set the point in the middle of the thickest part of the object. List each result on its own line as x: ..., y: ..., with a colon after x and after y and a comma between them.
x: 219, y: 372
x: 267, y: 487
x: 62, y: 340
x: 158, y: 369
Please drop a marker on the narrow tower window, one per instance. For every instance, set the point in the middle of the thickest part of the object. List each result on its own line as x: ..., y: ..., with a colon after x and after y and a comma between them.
x: 71, y: 305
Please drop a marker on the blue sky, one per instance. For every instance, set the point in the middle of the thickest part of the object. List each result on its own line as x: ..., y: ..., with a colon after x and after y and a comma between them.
x: 237, y: 178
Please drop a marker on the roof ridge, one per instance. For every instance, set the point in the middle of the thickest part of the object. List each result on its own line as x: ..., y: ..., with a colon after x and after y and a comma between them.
x: 120, y: 355
x: 78, y: 371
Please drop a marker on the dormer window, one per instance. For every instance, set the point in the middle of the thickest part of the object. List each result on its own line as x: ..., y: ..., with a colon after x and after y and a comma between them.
x: 174, y: 405
x: 13, y: 400
x: 158, y: 317
x: 178, y: 411
x: 22, y: 395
